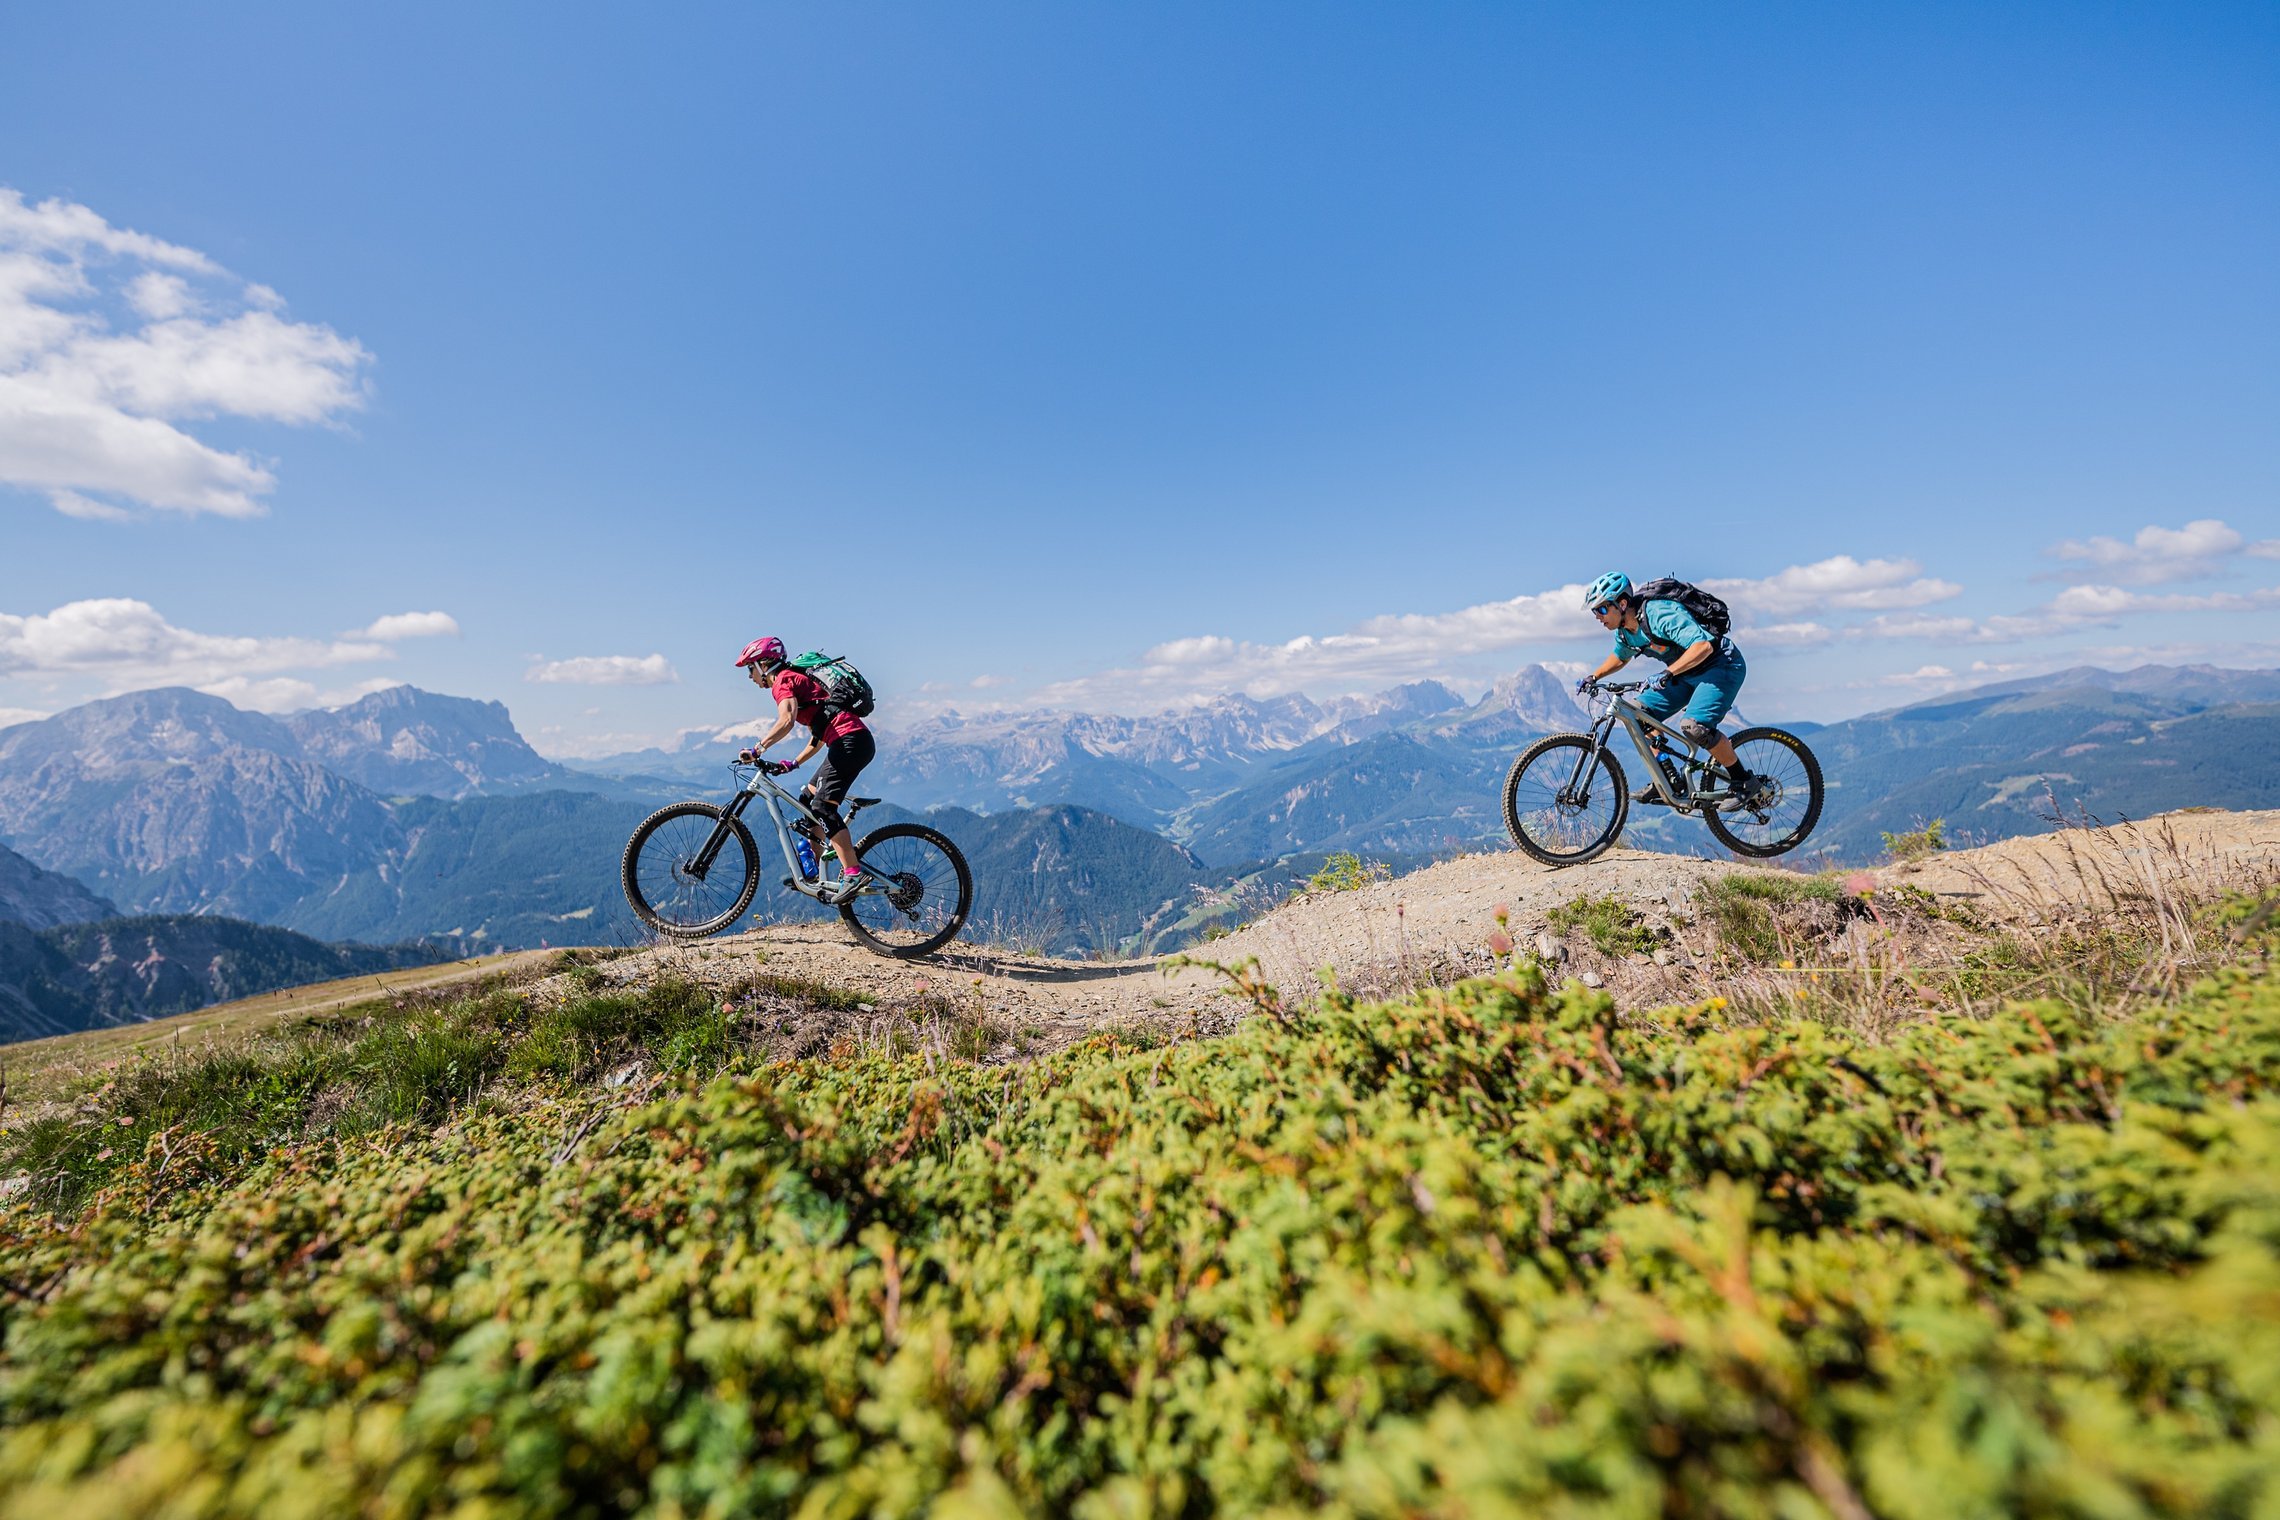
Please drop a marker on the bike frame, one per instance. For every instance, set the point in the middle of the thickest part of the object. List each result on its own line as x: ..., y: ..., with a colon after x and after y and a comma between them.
x: 764, y: 785
x: 1639, y: 724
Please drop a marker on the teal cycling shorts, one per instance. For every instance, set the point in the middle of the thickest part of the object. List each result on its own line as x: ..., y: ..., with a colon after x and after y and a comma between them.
x: 1705, y: 694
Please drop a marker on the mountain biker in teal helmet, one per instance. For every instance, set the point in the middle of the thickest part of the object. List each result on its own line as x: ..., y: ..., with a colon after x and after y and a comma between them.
x: 1705, y: 672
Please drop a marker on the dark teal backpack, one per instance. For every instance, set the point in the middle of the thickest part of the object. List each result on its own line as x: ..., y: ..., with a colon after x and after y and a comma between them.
x: 844, y: 688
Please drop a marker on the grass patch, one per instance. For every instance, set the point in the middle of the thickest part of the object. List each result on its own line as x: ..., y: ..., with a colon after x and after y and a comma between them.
x: 1764, y: 916
x: 1613, y: 926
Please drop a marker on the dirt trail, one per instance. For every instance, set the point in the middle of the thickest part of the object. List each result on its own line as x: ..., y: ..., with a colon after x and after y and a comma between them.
x: 1435, y: 924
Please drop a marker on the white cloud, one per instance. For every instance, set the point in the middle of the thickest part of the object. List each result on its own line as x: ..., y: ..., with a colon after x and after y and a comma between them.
x: 1837, y: 584
x: 2157, y: 555
x: 605, y: 670
x: 159, y: 296
x: 1787, y: 635
x: 14, y: 715
x: 2088, y: 606
x: 1913, y: 626
x: 127, y: 644
x: 410, y: 625
x: 72, y: 504
x: 89, y: 410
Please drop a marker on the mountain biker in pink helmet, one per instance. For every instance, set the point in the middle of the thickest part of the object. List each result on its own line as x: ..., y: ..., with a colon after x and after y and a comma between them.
x: 846, y: 743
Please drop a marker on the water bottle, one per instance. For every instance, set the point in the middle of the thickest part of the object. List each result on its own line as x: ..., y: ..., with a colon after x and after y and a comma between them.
x: 806, y: 852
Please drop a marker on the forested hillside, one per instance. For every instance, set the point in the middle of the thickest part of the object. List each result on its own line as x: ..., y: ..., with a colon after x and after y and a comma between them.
x: 125, y: 970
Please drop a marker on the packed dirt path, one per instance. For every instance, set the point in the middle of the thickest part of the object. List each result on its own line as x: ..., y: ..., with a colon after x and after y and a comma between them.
x: 1436, y: 925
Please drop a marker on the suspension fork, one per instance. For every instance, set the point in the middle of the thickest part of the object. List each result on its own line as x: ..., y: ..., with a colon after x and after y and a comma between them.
x: 1578, y: 791
x: 702, y: 865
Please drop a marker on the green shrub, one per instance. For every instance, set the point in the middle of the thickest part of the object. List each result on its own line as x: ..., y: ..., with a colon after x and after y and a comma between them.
x: 1613, y: 926
x: 1343, y: 871
x: 1918, y: 843
x: 1487, y: 1250
x: 1761, y: 915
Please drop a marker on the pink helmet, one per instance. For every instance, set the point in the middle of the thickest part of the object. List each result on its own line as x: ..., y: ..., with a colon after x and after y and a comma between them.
x: 768, y: 651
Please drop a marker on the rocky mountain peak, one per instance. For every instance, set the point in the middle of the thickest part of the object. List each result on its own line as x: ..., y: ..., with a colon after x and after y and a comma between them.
x: 403, y: 740
x: 171, y: 724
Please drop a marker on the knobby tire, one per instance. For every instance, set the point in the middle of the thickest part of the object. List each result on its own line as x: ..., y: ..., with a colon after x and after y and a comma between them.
x: 927, y: 871
x: 1558, y: 834
x: 668, y: 900
x: 1778, y: 753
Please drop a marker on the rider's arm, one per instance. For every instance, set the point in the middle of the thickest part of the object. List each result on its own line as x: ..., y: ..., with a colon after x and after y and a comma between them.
x: 1695, y: 657
x: 787, y: 714
x: 1609, y: 666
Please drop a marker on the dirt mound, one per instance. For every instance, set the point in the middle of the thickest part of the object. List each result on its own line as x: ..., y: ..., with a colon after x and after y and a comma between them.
x: 1436, y: 925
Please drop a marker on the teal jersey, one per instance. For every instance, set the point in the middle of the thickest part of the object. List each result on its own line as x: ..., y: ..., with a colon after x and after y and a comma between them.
x: 1666, y: 630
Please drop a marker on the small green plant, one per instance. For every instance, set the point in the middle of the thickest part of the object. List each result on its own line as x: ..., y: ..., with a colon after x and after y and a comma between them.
x: 1759, y: 915
x: 1344, y: 871
x: 1918, y: 843
x: 1613, y: 926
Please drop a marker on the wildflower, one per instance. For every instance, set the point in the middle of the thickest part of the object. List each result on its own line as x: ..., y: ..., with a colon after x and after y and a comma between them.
x: 1860, y: 884
x: 1500, y: 943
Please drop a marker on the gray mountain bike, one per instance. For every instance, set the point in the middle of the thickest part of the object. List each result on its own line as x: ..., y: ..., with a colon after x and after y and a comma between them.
x: 1566, y: 797
x: 691, y: 870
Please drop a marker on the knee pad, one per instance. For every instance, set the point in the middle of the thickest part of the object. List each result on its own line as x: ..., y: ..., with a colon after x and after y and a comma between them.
x: 1697, y: 731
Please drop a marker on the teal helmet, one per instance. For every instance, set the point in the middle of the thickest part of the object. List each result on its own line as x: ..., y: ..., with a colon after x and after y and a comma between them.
x: 1606, y: 589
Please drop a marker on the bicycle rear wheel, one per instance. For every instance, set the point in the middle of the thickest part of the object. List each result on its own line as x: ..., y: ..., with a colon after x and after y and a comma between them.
x: 1788, y: 800
x: 1559, y: 812
x: 660, y: 871
x: 923, y: 893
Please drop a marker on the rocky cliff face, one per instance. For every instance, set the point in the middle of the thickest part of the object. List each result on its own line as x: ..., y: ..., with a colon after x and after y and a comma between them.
x: 408, y: 742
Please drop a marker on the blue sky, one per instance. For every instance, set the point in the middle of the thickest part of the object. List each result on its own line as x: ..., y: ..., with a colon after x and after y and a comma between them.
x: 1112, y: 356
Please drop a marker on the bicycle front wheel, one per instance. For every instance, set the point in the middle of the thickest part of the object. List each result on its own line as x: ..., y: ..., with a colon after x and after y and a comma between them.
x: 921, y: 895
x: 670, y: 886
x: 1786, y: 804
x: 1560, y: 811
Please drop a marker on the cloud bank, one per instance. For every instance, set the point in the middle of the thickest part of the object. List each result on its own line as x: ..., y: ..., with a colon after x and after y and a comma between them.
x: 112, y: 341
x: 605, y: 670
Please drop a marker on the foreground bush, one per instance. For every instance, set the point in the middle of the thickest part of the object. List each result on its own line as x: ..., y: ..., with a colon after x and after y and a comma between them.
x: 1491, y: 1251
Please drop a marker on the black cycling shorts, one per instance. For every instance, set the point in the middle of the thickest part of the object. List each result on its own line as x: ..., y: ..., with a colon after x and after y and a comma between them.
x: 843, y: 760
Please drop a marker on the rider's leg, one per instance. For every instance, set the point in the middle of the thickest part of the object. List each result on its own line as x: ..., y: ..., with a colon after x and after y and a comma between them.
x: 843, y: 759
x: 1711, y: 697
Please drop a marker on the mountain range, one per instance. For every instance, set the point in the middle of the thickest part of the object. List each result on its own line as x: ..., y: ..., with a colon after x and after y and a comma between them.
x: 1417, y: 771
x: 409, y: 815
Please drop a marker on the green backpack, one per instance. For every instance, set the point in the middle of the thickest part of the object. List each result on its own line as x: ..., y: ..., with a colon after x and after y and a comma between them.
x: 844, y: 688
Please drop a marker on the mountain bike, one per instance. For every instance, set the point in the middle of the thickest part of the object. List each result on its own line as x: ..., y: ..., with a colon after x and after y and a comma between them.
x: 1566, y: 797
x: 691, y: 870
